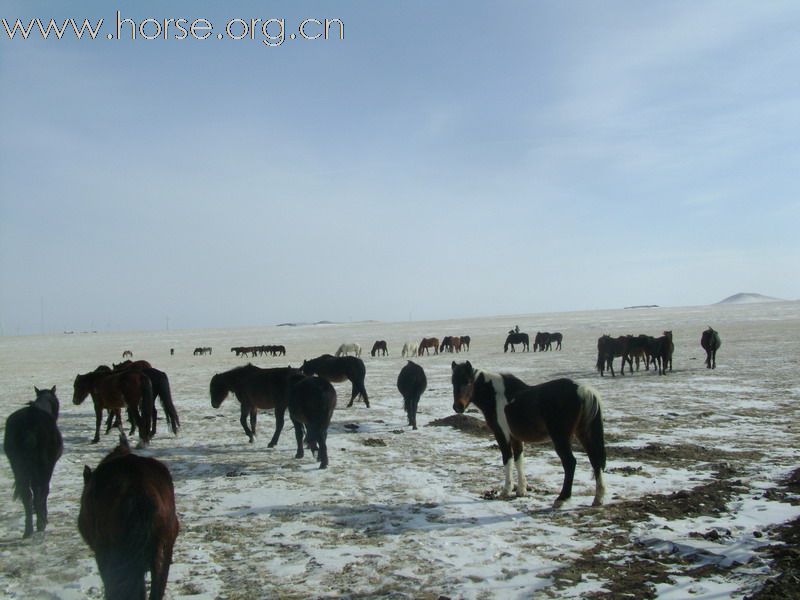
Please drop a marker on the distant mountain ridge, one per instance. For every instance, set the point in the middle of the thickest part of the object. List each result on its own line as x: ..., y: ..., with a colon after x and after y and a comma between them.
x: 748, y: 298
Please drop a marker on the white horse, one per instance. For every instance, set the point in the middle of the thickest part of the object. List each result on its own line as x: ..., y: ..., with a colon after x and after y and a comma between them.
x: 346, y: 349
x: 410, y: 349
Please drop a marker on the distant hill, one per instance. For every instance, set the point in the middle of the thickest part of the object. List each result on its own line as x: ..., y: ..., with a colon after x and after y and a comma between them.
x: 748, y: 298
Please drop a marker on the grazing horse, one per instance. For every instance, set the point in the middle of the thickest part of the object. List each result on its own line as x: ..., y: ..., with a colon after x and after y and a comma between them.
x: 541, y: 341
x: 337, y: 369
x: 660, y: 350
x: 409, y: 349
x: 347, y: 349
x: 128, y: 519
x: 517, y: 413
x: 379, y: 347
x: 608, y: 349
x: 33, y: 445
x: 710, y: 342
x: 254, y: 388
x: 411, y: 383
x: 556, y: 338
x: 517, y: 338
x: 426, y: 344
x: 465, y: 340
x: 311, y: 404
x: 113, y: 390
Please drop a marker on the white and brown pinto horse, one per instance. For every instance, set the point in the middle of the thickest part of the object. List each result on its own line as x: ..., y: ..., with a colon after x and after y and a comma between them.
x: 517, y: 413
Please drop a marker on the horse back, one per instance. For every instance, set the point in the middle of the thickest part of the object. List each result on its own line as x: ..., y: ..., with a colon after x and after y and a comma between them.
x: 32, y: 441
x: 541, y: 411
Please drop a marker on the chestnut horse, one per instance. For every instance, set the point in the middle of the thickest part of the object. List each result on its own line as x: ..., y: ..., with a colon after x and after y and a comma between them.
x: 255, y: 388
x: 517, y: 413
x: 128, y: 519
x: 426, y: 344
x: 337, y: 369
x: 311, y: 404
x: 33, y: 445
x: 710, y: 342
x: 130, y: 389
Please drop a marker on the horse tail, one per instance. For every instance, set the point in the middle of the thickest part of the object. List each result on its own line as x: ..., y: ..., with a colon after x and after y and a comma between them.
x: 590, y: 426
x: 147, y: 408
x: 171, y: 413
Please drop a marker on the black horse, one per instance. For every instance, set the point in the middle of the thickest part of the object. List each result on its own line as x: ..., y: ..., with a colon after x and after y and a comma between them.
x: 517, y: 338
x: 128, y: 519
x: 710, y: 342
x: 254, y: 388
x: 541, y: 342
x: 411, y: 383
x: 608, y: 349
x: 465, y: 340
x: 311, y: 404
x: 338, y: 368
x: 556, y: 410
x: 33, y: 445
x: 379, y: 348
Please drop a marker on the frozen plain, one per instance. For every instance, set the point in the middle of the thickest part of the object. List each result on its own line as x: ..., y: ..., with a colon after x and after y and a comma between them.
x: 692, y: 457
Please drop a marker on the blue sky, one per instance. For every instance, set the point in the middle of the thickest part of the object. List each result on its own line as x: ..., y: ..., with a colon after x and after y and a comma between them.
x: 443, y: 160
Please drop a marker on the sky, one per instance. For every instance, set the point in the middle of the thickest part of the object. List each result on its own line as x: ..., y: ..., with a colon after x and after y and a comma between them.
x: 442, y: 160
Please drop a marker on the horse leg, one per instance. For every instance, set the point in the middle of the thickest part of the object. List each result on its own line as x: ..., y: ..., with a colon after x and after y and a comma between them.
x: 159, y: 570
x: 594, y: 445
x: 298, y: 434
x: 414, y: 404
x: 25, y: 493
x: 506, y: 453
x: 243, y: 420
x: 40, y: 491
x: 519, y: 463
x: 568, y: 462
x: 98, y: 419
x: 322, y: 436
x: 279, y: 418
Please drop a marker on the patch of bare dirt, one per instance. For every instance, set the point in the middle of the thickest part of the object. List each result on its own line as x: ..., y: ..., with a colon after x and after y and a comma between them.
x: 465, y: 423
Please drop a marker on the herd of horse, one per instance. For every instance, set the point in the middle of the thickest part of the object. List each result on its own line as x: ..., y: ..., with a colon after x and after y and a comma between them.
x: 253, y: 351
x: 127, y: 511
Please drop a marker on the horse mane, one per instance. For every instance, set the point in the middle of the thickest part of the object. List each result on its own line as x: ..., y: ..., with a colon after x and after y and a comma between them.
x: 511, y: 383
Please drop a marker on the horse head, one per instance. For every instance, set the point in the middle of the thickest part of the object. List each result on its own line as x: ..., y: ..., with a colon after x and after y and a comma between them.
x: 218, y: 390
x: 463, y: 379
x: 47, y: 401
x: 80, y: 389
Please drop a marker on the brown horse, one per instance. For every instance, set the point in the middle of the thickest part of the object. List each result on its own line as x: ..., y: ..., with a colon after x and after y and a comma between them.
x: 379, y: 347
x: 128, y: 519
x: 517, y: 413
x: 426, y: 344
x: 340, y: 368
x: 161, y: 390
x: 130, y: 389
x: 255, y: 388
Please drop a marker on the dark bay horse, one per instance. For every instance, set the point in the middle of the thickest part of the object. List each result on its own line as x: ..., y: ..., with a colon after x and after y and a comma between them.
x: 33, y: 445
x: 161, y: 390
x: 660, y: 351
x: 608, y: 349
x: 426, y: 344
x: 255, y: 388
x: 517, y: 413
x: 710, y: 341
x: 337, y: 369
x: 379, y: 347
x: 130, y: 389
x: 311, y: 404
x: 411, y: 383
x: 128, y: 519
x: 541, y: 342
x: 465, y: 340
x: 517, y: 338
x: 556, y: 338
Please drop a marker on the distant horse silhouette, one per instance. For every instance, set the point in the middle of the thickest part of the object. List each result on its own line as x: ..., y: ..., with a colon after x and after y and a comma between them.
x: 337, y: 369
x: 347, y: 349
x: 638, y: 349
x: 608, y: 349
x: 201, y: 350
x: 451, y: 343
x: 255, y: 388
x: 127, y: 354
x: 517, y: 413
x: 128, y: 519
x: 130, y: 389
x: 555, y: 338
x: 411, y: 383
x: 33, y: 445
x: 517, y: 338
x: 465, y: 340
x: 660, y: 351
x: 311, y: 404
x: 410, y: 349
x: 426, y: 344
x: 379, y: 347
x: 710, y: 341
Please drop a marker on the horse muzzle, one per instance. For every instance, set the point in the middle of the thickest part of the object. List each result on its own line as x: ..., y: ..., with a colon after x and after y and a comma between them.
x: 458, y: 407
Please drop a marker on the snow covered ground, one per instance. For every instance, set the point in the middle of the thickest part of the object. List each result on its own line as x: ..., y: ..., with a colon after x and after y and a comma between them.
x: 404, y: 513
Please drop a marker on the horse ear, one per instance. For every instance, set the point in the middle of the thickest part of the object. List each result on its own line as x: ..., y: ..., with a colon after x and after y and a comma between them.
x: 35, y: 389
x: 453, y: 366
x: 87, y: 473
x: 53, y: 390
x: 469, y: 366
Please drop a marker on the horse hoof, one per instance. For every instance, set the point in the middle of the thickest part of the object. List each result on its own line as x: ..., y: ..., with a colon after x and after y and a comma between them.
x: 597, y: 502
x: 299, y: 455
